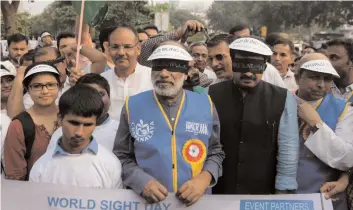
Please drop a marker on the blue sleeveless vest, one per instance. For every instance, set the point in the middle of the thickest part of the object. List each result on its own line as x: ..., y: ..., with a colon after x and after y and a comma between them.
x: 349, y: 99
x: 172, y: 155
x: 330, y: 110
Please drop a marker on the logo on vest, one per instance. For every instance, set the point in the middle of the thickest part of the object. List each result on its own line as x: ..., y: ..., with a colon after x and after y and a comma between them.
x: 194, y: 151
x: 142, y: 132
x: 196, y: 128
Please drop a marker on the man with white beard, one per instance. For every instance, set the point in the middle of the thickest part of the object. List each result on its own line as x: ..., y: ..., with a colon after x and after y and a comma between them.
x: 168, y: 138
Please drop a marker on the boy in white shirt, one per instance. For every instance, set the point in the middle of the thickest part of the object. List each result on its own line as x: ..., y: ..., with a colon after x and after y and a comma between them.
x: 106, y: 127
x: 78, y: 159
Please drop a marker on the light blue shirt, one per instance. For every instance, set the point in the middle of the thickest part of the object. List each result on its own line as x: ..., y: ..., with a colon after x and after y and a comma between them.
x: 288, y: 146
x: 92, y: 147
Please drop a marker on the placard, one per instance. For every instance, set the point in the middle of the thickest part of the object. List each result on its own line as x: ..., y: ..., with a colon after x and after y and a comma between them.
x: 18, y: 195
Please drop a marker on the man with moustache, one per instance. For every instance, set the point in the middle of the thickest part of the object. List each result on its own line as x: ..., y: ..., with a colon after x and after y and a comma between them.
x: 220, y: 61
x: 128, y: 77
x: 259, y: 126
x: 282, y: 58
x: 164, y: 145
x: 200, y: 54
x: 326, y: 143
x: 340, y: 53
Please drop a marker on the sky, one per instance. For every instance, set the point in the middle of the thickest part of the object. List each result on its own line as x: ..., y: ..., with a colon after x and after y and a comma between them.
x: 39, y: 5
x: 36, y: 7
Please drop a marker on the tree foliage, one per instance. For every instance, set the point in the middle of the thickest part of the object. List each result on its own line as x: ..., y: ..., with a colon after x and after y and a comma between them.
x: 280, y: 15
x: 179, y: 16
x: 135, y: 13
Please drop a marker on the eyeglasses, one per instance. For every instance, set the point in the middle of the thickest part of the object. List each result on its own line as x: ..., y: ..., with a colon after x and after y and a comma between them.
x: 125, y: 47
x: 39, y: 86
x: 219, y: 57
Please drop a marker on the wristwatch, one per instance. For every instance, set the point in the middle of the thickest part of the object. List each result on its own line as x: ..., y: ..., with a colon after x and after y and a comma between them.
x: 316, y: 127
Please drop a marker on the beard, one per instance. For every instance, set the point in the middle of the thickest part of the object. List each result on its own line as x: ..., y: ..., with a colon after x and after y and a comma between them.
x: 168, y: 89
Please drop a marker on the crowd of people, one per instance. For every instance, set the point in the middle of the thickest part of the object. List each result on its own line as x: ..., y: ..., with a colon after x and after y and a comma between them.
x: 236, y: 114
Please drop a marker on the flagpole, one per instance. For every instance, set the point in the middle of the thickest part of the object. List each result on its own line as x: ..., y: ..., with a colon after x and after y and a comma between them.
x: 79, y: 35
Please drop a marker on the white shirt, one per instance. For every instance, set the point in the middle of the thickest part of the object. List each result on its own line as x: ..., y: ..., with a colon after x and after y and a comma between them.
x: 137, y: 82
x: 87, y: 69
x: 28, y: 102
x: 210, y: 73
x: 335, y: 148
x: 272, y: 76
x: 4, y: 125
x: 104, y: 134
x: 289, y: 81
x: 98, y: 169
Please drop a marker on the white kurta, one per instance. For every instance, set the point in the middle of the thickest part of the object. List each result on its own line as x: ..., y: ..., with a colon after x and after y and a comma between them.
x: 137, y: 82
x: 335, y: 148
x: 272, y: 76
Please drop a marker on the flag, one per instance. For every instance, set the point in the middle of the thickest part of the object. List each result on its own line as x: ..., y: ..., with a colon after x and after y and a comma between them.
x: 95, y: 11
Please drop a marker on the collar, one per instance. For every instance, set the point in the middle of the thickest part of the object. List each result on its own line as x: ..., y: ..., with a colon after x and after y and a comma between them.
x: 289, y: 74
x: 164, y: 101
x: 107, y: 119
x: 136, y: 71
x: 349, y: 88
x: 91, y: 147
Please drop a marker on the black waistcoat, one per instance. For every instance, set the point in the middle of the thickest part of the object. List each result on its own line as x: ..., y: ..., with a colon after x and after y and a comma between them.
x: 249, y: 131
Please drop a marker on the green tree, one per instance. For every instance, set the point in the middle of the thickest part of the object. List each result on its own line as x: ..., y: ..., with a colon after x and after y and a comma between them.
x: 57, y: 17
x: 278, y: 16
x: 179, y: 17
x: 23, y: 23
x: 135, y: 13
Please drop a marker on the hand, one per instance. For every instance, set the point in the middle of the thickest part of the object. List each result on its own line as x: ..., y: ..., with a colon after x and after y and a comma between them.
x: 154, y: 192
x: 75, y: 76
x: 308, y: 114
x: 21, y: 70
x: 192, y: 25
x: 69, y: 51
x: 191, y: 191
x: 332, y: 188
x: 193, y: 77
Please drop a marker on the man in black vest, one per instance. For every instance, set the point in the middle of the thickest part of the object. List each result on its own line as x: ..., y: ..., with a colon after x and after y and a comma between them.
x: 259, y: 126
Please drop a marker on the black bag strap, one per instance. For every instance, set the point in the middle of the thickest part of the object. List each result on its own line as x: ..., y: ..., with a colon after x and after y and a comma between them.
x: 28, y: 131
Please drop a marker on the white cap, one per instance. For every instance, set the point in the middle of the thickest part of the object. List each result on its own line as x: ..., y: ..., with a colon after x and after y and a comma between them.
x: 252, y: 45
x: 170, y: 52
x: 323, y: 66
x: 7, y: 69
x: 41, y: 68
x: 45, y: 34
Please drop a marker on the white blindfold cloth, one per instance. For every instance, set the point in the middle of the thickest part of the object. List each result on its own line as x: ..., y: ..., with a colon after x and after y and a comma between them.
x: 322, y: 66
